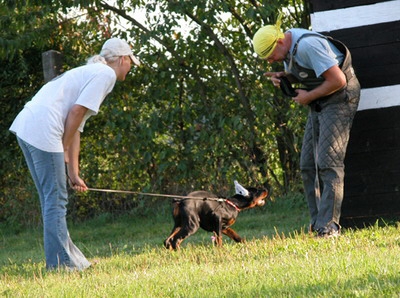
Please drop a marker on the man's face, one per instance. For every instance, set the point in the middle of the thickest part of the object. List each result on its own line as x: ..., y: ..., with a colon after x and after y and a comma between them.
x: 278, y: 54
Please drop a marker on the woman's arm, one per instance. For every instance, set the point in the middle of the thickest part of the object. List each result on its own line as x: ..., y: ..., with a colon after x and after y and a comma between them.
x: 71, y: 142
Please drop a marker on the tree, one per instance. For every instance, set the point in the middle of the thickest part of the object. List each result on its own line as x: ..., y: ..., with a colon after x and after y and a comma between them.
x: 31, y: 30
x: 198, y: 113
x: 216, y: 44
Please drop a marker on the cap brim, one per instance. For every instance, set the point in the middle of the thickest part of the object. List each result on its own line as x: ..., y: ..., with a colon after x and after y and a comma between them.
x: 134, y: 60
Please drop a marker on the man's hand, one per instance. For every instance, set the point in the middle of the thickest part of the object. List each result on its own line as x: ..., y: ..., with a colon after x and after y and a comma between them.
x: 302, y: 97
x: 275, y: 77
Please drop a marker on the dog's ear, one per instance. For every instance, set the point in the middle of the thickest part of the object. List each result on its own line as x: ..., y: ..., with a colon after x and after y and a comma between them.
x: 240, y: 190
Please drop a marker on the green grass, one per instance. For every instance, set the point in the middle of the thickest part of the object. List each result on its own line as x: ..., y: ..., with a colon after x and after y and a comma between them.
x: 279, y: 259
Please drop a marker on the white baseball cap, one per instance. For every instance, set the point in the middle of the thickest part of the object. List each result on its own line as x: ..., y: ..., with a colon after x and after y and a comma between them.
x: 115, y: 47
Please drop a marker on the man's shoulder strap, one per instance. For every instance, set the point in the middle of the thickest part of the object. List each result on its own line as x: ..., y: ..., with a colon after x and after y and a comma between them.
x: 345, y: 65
x: 308, y: 35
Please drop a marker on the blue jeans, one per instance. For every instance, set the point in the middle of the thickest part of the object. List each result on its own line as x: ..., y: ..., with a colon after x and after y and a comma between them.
x: 48, y: 173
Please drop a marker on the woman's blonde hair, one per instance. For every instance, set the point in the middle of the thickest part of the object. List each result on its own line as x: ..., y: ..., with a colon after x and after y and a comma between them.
x: 101, y: 59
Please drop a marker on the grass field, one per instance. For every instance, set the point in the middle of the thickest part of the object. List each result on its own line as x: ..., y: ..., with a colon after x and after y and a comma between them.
x: 280, y: 259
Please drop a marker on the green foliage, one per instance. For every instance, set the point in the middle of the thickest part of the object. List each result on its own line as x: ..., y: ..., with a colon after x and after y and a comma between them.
x: 196, y: 115
x: 18, y: 203
x: 26, y: 38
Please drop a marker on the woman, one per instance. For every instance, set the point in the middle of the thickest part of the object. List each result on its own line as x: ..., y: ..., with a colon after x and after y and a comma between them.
x: 48, y: 132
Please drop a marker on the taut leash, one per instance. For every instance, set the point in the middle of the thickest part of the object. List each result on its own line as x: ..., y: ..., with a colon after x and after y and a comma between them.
x: 239, y: 190
x: 155, y: 194
x: 152, y: 194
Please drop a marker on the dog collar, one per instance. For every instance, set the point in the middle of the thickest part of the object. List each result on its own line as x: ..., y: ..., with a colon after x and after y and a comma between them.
x: 233, y: 205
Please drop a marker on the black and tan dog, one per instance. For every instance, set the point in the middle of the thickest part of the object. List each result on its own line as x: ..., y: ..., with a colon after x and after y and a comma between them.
x: 212, y: 214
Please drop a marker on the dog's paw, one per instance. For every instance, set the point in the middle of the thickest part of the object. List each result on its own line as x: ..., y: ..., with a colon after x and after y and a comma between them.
x: 167, y: 244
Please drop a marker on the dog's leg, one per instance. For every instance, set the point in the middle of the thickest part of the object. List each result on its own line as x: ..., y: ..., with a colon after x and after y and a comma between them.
x: 233, y: 235
x: 218, y: 239
x: 167, y: 242
x: 190, y: 225
x: 218, y: 231
x: 179, y: 237
x: 176, y: 214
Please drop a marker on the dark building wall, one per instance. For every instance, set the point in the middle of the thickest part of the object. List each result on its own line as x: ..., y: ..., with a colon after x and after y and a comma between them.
x: 371, y: 30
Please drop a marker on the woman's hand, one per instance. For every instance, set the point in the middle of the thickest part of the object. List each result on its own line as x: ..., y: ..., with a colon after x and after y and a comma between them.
x: 77, y: 184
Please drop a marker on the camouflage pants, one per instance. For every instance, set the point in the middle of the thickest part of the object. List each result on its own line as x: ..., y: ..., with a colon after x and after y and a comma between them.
x: 323, y: 151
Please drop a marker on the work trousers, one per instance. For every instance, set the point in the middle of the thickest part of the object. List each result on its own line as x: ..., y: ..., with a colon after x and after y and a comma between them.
x: 323, y: 152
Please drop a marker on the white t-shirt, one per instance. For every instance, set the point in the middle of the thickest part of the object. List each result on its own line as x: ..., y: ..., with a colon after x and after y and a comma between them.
x: 41, y: 122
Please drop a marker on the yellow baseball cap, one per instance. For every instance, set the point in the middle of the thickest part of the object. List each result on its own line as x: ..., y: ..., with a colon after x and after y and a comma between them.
x: 265, y: 39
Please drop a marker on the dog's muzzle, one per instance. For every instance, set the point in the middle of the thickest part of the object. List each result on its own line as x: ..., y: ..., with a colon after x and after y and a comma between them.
x: 261, y: 203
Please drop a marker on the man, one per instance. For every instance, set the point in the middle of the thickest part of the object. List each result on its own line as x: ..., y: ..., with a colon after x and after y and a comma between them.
x: 332, y: 93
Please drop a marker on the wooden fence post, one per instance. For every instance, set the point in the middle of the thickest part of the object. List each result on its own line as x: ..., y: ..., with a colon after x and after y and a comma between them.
x: 52, y: 64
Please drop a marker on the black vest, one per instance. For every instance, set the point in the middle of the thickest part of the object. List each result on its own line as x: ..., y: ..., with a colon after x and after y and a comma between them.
x: 307, y: 76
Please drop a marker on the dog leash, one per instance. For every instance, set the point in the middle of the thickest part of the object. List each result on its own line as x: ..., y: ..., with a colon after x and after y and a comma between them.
x: 153, y: 194
x: 156, y: 195
x: 163, y: 195
x: 167, y: 196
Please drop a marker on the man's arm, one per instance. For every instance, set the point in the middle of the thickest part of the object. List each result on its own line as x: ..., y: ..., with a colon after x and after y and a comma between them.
x: 334, y: 81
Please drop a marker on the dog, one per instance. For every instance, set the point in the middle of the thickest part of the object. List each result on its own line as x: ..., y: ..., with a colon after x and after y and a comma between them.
x: 203, y: 209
